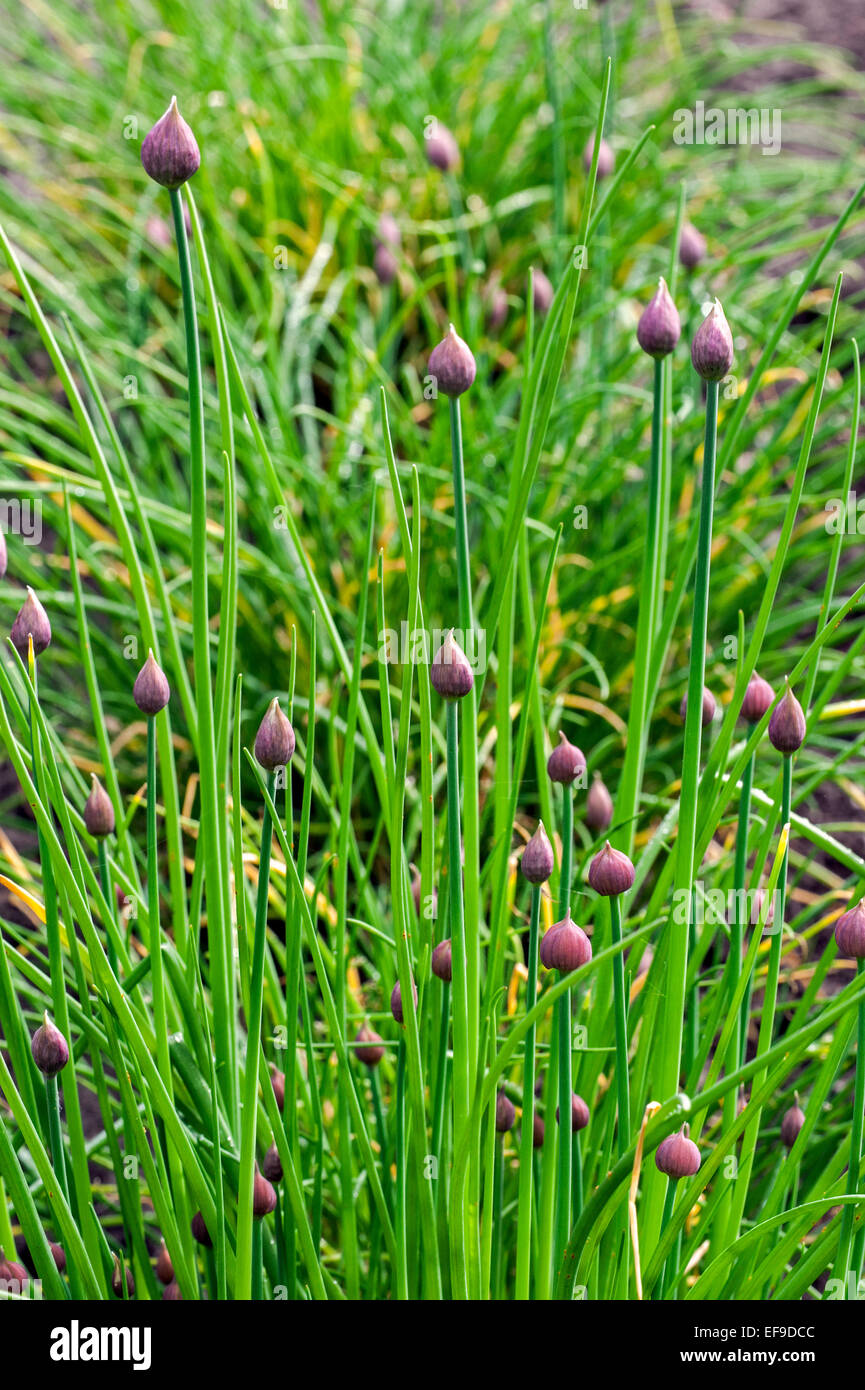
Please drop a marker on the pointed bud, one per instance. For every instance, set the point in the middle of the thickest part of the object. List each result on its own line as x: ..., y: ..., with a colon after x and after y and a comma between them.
x: 98, y: 811
x: 396, y: 1001
x: 659, y: 328
x: 442, y: 150
x: 369, y: 1049
x: 200, y: 1231
x: 274, y: 742
x: 758, y: 698
x: 169, y: 152
x: 272, y: 1165
x: 151, y: 691
x: 565, y: 947
x: 850, y: 932
x: 791, y: 1124
x: 692, y: 246
x: 579, y: 1113
x: 599, y: 806
x: 712, y: 348
x: 505, y: 1113
x: 566, y: 762
x: 450, y: 673
x: 543, y: 293
x: 442, y: 962
x: 122, y: 1277
x: 452, y: 364
x: 49, y: 1047
x: 606, y: 158
x: 164, y: 1266
x: 32, y: 621
x: 787, y: 725
x: 263, y: 1195
x: 678, y: 1156
x: 538, y: 860
x: 707, y: 713
x: 611, y: 872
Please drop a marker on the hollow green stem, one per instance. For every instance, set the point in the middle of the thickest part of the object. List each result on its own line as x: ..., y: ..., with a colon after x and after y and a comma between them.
x: 623, y: 1129
x: 846, y: 1268
x: 563, y: 1031
x: 524, y: 1210
x: 461, y: 1071
x: 157, y: 974
x: 55, y: 1133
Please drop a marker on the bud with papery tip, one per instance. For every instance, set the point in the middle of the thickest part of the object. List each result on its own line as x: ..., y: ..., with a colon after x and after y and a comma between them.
x: 692, y: 246
x: 11, y: 1272
x: 31, y: 621
x: 712, y: 348
x: 49, y: 1047
x: 543, y: 293
x: 579, y: 1113
x: 121, y: 1277
x: 58, y: 1254
x: 850, y: 932
x: 171, y: 1293
x: 164, y: 1266
x: 272, y: 1165
x: 200, y: 1231
x: 707, y: 713
x: 599, y: 806
x: 396, y: 1001
x: 659, y: 328
x: 611, y: 872
x: 442, y: 150
x: 787, y: 725
x: 450, y: 673
x: 792, y: 1123
x: 263, y: 1196
x: 369, y: 1049
x: 169, y: 151
x: 274, y: 742
x: 566, y: 762
x: 758, y: 698
x: 565, y: 947
x: 538, y: 860
x: 98, y: 810
x: 678, y: 1156
x: 452, y: 364
x: 442, y: 962
x: 606, y: 158
x: 151, y: 691
x: 505, y: 1113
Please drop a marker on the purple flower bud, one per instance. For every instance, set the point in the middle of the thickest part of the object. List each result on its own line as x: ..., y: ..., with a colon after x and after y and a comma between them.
x: 58, y: 1254
x: 707, y: 714
x: 659, y: 328
x: 505, y: 1113
x: 758, y: 698
x: 11, y: 1272
x: 396, y: 1001
x: 370, y: 1050
x: 579, y: 1113
x: 611, y: 872
x: 272, y: 1165
x: 599, y: 806
x: 385, y: 265
x: 566, y: 762
x: 543, y: 293
x: 538, y: 860
x: 442, y: 150
x: 171, y: 1293
x: 692, y: 246
x: 450, y: 673
x: 151, y: 691
x: 442, y: 962
x: 850, y: 932
x: 274, y: 742
x: 49, y: 1047
x: 537, y: 1132
x: 712, y: 348
x: 791, y: 1124
x: 452, y: 364
x: 497, y: 308
x: 121, y: 1277
x: 263, y: 1196
x: 606, y: 158
x: 32, y: 621
x: 164, y: 1266
x: 169, y: 152
x: 200, y: 1231
x: 565, y: 947
x: 277, y: 1081
x: 678, y: 1156
x: 98, y: 810
x: 787, y: 725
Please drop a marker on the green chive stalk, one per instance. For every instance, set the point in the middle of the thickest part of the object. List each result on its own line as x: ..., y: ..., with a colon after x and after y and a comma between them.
x: 157, y: 975
x: 459, y: 952
x: 563, y: 1031
x: 847, y: 1268
x: 526, y: 1203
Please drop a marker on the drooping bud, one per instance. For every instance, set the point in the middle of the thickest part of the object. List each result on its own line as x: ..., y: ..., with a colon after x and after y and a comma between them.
x: 579, y: 1113
x: 565, y: 947
x: 151, y: 691
x: 566, y: 762
x: 442, y: 962
x: 787, y: 725
x: 450, y: 673
x: 49, y: 1047
x: 599, y: 806
x: 678, y: 1156
x: 169, y: 151
x: 121, y: 1280
x: 758, y: 698
x: 369, y: 1048
x: 442, y: 150
x: 606, y: 158
x: 538, y: 860
x: 659, y: 328
x: 611, y: 872
x: 707, y: 714
x: 396, y: 1001
x: 11, y: 1272
x: 850, y: 932
x: 791, y: 1124
x: 505, y: 1113
x: 272, y: 1165
x: 712, y: 348
x: 263, y: 1195
x: 543, y: 293
x: 164, y: 1266
x: 31, y: 621
x: 171, y: 1293
x: 692, y: 246
x: 277, y: 1081
x: 98, y: 810
x: 452, y: 364
x: 200, y: 1231
x: 274, y: 742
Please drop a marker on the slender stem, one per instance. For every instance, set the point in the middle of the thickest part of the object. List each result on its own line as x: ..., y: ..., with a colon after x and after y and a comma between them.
x: 563, y: 1030
x: 527, y: 1123
x: 498, y: 1219
x: 58, y: 1158
x: 157, y: 976
x: 257, y: 1259
x: 738, y: 937
x: 845, y: 1268
x: 458, y: 935
x: 400, y: 1147
x: 621, y: 1007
